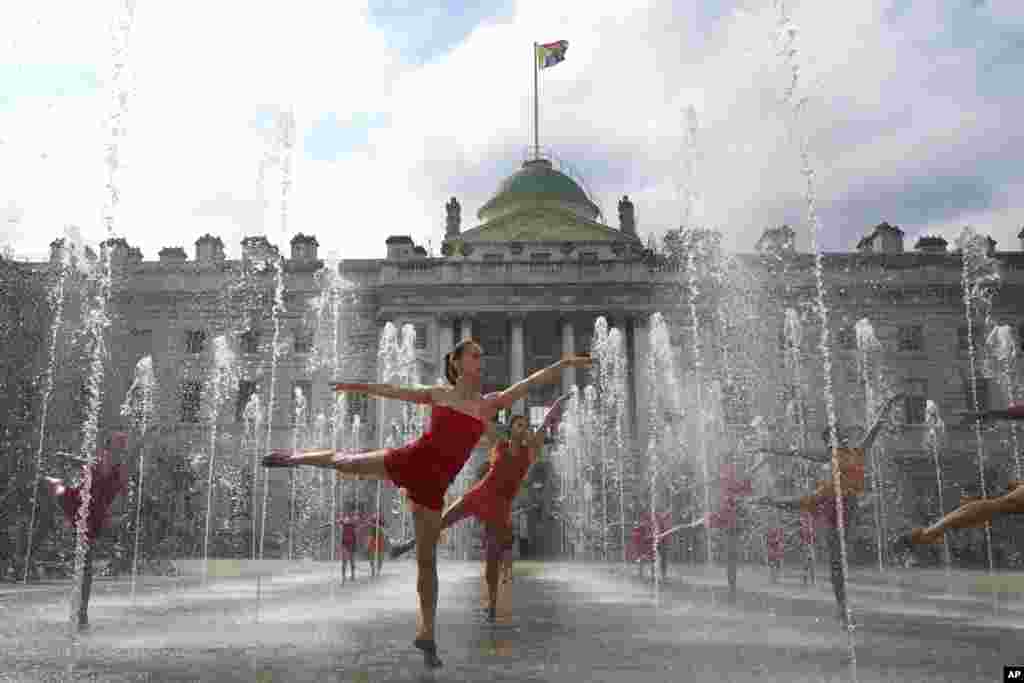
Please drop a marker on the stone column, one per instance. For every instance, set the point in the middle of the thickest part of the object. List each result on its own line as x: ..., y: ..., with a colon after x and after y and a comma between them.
x: 516, y: 360
x: 467, y: 328
x: 445, y: 340
x: 638, y: 363
x: 568, y: 346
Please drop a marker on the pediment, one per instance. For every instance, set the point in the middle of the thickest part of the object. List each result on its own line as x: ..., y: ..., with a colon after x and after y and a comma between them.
x: 544, y: 225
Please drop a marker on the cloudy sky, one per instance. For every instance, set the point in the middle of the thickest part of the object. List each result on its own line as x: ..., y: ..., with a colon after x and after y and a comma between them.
x: 913, y: 116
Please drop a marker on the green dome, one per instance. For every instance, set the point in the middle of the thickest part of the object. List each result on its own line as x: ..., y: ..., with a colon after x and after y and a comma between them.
x: 537, y: 181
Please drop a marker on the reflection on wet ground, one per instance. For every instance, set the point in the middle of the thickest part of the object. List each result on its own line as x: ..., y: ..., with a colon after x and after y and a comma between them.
x: 555, y: 622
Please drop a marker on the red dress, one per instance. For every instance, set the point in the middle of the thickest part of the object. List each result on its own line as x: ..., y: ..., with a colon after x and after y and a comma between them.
x: 428, y: 465
x: 490, y: 499
x: 106, y: 486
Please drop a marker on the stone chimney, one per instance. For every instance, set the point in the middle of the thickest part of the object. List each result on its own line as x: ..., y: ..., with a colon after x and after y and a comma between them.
x: 304, y: 248
x: 117, y: 249
x: 931, y: 244
x: 258, y: 250
x: 884, y: 239
x: 57, y: 251
x: 173, y: 255
x: 780, y: 241
x: 209, y: 250
x: 400, y: 247
x: 627, y: 217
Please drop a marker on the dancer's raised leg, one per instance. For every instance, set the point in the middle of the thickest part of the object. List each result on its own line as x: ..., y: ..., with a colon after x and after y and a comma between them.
x: 428, y: 530
x: 972, y: 515
x: 371, y: 464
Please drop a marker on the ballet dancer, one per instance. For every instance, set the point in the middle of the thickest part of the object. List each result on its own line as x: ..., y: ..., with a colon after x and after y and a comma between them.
x: 426, y: 467
x: 490, y: 499
x: 108, y: 481
x: 823, y: 502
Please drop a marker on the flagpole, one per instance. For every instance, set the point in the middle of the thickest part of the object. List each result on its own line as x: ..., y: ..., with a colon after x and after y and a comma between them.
x: 536, y: 135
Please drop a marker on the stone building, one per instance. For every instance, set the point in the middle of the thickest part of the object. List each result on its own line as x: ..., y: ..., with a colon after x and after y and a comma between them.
x: 528, y: 281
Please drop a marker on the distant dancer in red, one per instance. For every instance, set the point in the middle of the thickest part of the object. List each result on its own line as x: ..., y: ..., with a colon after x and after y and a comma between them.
x: 108, y: 482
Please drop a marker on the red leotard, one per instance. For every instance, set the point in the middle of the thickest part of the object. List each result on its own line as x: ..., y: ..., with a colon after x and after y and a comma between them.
x: 490, y: 499
x: 428, y: 465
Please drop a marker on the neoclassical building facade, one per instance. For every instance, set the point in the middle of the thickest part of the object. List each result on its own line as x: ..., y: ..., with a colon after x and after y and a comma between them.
x: 528, y: 281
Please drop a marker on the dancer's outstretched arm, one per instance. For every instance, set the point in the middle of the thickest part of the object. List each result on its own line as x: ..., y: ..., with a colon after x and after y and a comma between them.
x: 883, y: 413
x: 820, y: 457
x: 520, y: 389
x: 411, y: 394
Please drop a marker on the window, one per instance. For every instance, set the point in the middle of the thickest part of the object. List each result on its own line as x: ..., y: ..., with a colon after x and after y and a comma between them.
x: 983, y: 394
x: 303, y: 341
x: 1020, y: 335
x: 246, y: 388
x: 302, y: 401
x: 194, y: 340
x: 588, y: 258
x: 357, y: 404
x: 963, y: 342
x: 421, y: 336
x: 191, y: 398
x: 911, y: 338
x: 914, y: 399
x: 250, y: 341
x: 846, y: 338
x: 494, y: 258
x: 540, y: 256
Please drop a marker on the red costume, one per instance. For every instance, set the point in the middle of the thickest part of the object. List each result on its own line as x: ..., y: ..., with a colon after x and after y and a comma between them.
x: 107, y: 483
x: 428, y: 465
x: 490, y: 499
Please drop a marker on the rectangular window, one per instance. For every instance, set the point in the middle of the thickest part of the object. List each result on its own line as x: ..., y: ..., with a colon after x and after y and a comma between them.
x: 194, y: 341
x: 250, y: 341
x: 421, y: 336
x: 302, y: 402
x: 303, y: 341
x: 846, y: 338
x: 357, y: 404
x: 191, y: 400
x: 983, y: 394
x: 911, y: 338
x: 963, y: 344
x: 494, y: 258
x: 588, y: 258
x: 914, y: 399
x: 246, y: 388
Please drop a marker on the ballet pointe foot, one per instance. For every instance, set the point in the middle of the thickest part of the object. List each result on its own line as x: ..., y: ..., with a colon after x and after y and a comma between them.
x: 429, y: 648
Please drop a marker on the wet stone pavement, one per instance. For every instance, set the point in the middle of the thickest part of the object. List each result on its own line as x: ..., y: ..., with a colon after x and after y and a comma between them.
x: 556, y: 622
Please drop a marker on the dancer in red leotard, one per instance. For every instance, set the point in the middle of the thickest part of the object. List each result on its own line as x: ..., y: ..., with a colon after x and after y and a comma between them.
x: 108, y: 481
x: 490, y: 499
x: 426, y: 467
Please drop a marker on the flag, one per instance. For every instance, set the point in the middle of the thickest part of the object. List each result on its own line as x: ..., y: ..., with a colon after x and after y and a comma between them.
x: 549, y: 54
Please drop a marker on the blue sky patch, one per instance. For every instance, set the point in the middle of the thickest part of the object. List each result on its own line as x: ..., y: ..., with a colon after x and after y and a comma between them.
x: 331, y: 139
x: 425, y: 31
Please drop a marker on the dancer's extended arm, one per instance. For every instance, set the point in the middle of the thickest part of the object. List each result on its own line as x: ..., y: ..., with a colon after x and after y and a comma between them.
x: 422, y: 395
x: 520, y: 389
x: 876, y: 427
